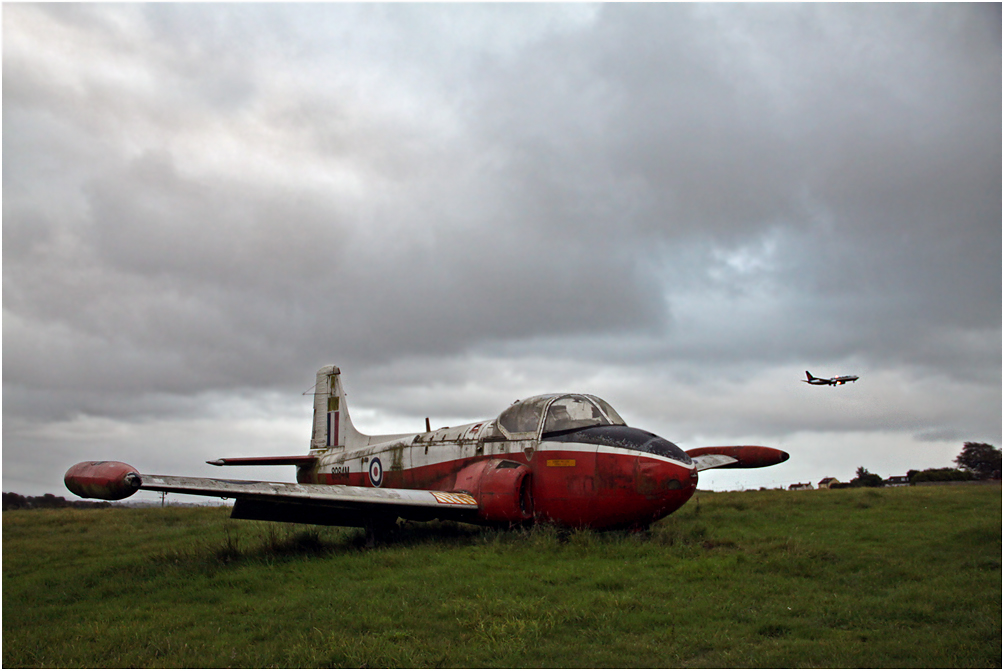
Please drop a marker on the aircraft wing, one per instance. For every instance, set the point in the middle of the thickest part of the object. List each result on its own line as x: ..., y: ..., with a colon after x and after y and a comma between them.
x: 334, y: 505
x: 706, y: 461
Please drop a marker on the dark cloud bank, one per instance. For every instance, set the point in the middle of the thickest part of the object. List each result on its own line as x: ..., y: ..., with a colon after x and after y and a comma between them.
x: 682, y: 207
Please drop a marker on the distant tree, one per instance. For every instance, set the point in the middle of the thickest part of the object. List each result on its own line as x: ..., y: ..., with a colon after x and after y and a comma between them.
x: 940, y: 475
x: 51, y: 501
x: 12, y: 501
x: 865, y: 479
x: 980, y: 459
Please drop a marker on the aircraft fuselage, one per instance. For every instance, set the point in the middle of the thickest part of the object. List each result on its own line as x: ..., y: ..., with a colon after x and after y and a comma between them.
x: 576, y: 479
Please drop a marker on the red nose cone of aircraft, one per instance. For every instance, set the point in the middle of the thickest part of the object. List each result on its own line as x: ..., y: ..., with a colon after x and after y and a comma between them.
x: 664, y: 486
x: 109, y: 480
x: 612, y: 477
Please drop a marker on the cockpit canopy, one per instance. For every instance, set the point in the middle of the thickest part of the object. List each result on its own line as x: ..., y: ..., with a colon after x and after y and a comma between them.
x: 560, y: 412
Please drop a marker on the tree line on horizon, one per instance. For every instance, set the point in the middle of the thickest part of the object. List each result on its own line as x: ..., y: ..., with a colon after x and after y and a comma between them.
x: 14, y: 501
x: 977, y: 461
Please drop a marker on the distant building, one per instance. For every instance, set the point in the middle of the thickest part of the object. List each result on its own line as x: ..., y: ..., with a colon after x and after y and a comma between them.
x: 799, y: 486
x: 826, y: 483
x: 897, y: 481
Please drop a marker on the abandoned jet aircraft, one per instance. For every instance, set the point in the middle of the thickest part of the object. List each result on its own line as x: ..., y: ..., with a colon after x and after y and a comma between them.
x: 568, y: 459
x: 832, y: 381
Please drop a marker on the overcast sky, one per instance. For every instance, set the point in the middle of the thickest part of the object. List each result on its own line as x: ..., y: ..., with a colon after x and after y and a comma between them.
x: 679, y: 208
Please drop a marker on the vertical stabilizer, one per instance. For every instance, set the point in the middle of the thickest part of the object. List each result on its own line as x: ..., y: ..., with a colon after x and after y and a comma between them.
x: 333, y: 429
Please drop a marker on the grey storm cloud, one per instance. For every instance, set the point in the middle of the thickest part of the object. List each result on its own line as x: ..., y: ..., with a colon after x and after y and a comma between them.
x: 205, y: 202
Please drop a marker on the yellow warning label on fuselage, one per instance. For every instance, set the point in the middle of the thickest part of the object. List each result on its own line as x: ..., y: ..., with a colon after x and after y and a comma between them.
x: 561, y: 462
x: 455, y: 498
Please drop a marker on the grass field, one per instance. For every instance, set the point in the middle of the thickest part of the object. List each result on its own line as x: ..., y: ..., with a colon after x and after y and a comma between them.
x: 905, y: 577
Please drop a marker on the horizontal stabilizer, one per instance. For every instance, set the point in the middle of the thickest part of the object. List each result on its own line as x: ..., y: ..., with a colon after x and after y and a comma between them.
x: 706, y: 461
x: 299, y: 460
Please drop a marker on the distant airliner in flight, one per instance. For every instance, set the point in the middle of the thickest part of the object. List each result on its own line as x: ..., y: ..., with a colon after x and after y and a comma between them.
x: 832, y: 381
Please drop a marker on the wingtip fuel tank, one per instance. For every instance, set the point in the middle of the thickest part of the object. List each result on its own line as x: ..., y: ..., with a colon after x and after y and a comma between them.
x: 746, y: 456
x: 108, y: 480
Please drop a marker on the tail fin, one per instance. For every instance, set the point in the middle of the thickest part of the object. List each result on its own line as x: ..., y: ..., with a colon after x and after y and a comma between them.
x: 808, y: 376
x: 332, y: 426
x: 333, y: 430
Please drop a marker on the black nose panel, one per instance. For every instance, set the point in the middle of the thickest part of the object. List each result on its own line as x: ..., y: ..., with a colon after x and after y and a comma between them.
x: 624, y: 437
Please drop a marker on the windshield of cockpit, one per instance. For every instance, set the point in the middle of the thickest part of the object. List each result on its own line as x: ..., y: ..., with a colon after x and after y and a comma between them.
x: 523, y: 417
x: 578, y: 411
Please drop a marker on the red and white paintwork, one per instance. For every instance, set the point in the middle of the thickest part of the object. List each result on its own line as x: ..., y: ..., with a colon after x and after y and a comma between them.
x: 479, y: 472
x: 571, y: 484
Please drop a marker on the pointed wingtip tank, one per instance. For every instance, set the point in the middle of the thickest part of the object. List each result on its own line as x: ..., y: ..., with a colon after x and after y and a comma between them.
x: 746, y: 456
x: 108, y: 480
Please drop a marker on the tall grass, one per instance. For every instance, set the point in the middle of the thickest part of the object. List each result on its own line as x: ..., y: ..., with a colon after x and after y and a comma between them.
x: 909, y: 577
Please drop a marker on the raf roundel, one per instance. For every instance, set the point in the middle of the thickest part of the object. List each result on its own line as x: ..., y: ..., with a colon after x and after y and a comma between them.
x: 376, y: 472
